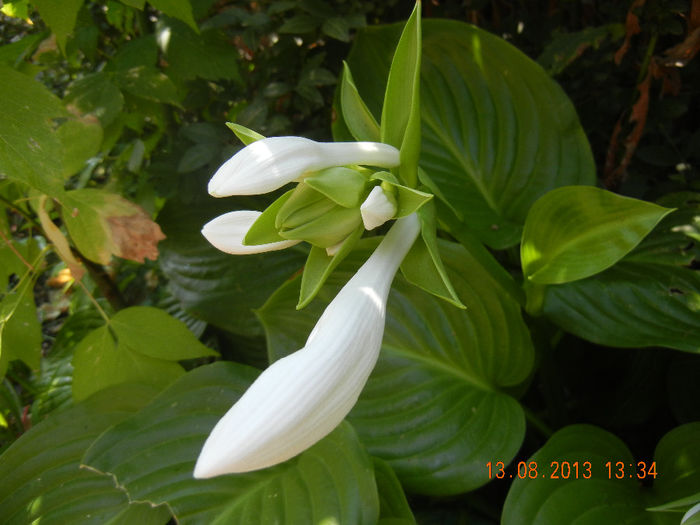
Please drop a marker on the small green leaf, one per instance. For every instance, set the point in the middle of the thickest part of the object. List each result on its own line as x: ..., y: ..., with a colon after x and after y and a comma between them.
x: 100, y: 362
x: 577, y: 231
x: 149, y: 83
x: 81, y: 139
x: 20, y: 332
x: 400, y: 125
x: 319, y: 266
x: 95, y: 94
x: 423, y: 266
x: 264, y: 229
x: 358, y: 117
x: 344, y: 186
x: 180, y: 9
x: 246, y: 136
x: 154, y: 333
x: 337, y: 28
x: 408, y: 200
x: 152, y: 455
x: 60, y: 17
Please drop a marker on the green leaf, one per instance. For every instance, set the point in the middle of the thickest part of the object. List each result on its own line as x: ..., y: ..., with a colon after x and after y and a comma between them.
x: 20, y: 334
x: 103, y: 224
x: 203, y: 278
x: 611, y: 494
x: 43, y: 481
x: 631, y: 305
x: 246, y: 136
x: 206, y: 55
x: 95, y: 94
x: 198, y: 156
x: 154, y: 333
x: 423, y: 266
x: 180, y: 9
x: 149, y: 83
x: 358, y: 117
x: 434, y: 357
x: 332, y: 480
x: 650, y: 298
x: 60, y: 17
x: 401, y: 118
x: 393, y: 506
x: 139, y: 344
x: 577, y: 231
x: 337, y: 28
x: 567, y: 47
x: 477, y: 91
x: 319, y: 266
x: 141, y: 51
x: 30, y: 150
x: 344, y: 186
x: 81, y: 139
x: 100, y: 362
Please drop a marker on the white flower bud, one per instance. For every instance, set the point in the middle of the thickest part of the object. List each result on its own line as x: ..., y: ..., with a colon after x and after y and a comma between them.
x: 226, y: 232
x: 301, y: 398
x: 377, y: 209
x: 269, y: 164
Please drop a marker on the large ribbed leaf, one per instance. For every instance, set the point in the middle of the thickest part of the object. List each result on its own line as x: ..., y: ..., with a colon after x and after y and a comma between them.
x: 597, y: 480
x: 497, y: 131
x: 42, y: 479
x: 433, y: 407
x: 219, y: 288
x: 152, y: 456
x: 577, y: 231
x: 650, y: 298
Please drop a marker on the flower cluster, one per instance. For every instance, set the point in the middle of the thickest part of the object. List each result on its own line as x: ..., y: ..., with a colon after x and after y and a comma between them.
x: 301, y: 398
x: 328, y: 205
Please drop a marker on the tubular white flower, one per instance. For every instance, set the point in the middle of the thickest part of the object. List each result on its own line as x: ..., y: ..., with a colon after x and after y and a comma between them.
x: 691, y: 512
x: 302, y: 397
x: 377, y: 209
x: 226, y: 232
x: 270, y: 163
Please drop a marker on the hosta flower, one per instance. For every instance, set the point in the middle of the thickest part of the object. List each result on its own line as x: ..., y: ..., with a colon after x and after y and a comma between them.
x: 226, y: 232
x: 270, y: 163
x: 302, y: 397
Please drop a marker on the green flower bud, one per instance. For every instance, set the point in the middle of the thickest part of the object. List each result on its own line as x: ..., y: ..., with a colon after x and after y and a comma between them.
x: 310, y: 216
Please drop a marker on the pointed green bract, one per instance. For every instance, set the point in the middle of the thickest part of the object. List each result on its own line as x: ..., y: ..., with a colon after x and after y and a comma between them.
x: 400, y: 125
x: 246, y: 136
x: 577, y: 231
x: 357, y: 115
x: 344, y: 186
x: 264, y: 229
x: 310, y: 216
x: 408, y: 200
x: 319, y: 266
x: 423, y: 266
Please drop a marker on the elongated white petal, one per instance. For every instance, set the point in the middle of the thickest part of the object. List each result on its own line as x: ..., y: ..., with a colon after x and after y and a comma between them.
x: 270, y: 163
x: 301, y: 398
x: 377, y: 209
x: 226, y: 232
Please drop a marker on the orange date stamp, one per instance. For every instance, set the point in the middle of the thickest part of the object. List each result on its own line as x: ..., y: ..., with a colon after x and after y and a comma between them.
x: 572, y: 470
